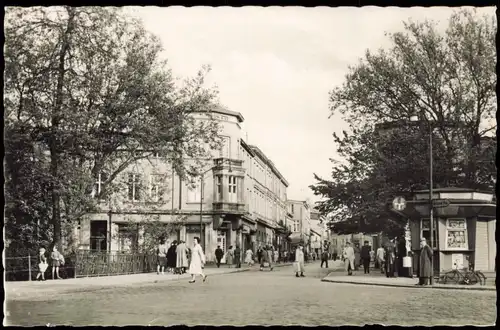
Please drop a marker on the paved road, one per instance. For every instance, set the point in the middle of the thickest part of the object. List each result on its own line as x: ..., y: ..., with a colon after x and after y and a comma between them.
x: 263, y: 298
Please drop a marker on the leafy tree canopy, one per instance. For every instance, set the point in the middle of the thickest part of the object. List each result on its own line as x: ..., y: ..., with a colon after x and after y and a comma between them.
x: 448, y: 81
x: 86, y: 92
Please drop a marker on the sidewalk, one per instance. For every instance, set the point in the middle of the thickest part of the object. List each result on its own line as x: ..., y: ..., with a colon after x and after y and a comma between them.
x: 30, y: 289
x: 379, y: 280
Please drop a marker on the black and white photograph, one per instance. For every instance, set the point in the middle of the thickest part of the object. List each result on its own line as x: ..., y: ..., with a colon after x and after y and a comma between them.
x: 309, y: 166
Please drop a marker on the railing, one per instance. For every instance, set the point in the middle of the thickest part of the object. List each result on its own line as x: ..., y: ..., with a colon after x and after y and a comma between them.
x: 90, y: 263
x: 82, y: 264
x: 25, y: 268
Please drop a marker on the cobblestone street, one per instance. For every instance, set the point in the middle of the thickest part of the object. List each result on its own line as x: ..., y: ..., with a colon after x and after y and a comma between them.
x: 274, y: 298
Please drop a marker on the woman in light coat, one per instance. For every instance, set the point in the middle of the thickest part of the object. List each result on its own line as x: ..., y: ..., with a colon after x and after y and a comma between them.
x: 249, y: 257
x: 299, y: 262
x: 349, y: 258
x: 197, y: 261
x: 230, y: 257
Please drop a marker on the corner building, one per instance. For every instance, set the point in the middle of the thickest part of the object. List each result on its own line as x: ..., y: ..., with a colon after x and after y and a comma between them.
x: 243, y: 201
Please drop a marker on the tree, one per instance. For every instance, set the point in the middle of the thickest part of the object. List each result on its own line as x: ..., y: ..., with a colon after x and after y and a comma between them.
x: 87, y: 87
x: 448, y: 80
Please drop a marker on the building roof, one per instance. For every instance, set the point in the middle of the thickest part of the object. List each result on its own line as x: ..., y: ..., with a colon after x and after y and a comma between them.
x: 247, y: 147
x: 225, y: 111
x: 269, y: 163
x: 218, y: 108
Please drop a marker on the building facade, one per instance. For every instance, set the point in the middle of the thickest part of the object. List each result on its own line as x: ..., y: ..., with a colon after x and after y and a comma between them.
x: 301, y: 222
x: 239, y: 200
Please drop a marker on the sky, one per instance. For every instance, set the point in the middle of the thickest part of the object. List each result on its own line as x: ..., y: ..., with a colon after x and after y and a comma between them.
x: 276, y: 66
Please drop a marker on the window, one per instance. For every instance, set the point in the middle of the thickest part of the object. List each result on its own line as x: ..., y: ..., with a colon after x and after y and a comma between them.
x: 225, y: 149
x: 134, y: 187
x: 218, y: 184
x: 194, y: 193
x: 98, y: 184
x: 425, y: 231
x: 233, y: 197
x: 154, y: 187
x: 292, y: 209
x: 456, y: 234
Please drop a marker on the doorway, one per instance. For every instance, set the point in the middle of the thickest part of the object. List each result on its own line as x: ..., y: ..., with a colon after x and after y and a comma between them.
x: 98, y: 235
x: 221, y: 241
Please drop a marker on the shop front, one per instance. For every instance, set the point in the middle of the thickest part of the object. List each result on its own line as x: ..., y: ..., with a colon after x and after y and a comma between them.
x: 463, y: 232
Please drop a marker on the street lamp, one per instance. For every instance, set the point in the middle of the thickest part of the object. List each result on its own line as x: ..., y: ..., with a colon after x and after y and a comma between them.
x: 414, y: 118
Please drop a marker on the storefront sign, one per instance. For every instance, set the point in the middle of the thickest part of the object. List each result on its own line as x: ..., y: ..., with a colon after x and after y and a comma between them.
x: 439, y: 203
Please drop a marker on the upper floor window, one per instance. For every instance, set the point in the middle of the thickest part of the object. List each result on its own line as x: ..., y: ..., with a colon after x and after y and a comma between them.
x: 233, y: 198
x: 194, y: 193
x: 100, y: 179
x: 225, y: 149
x: 134, y: 186
x: 154, y: 187
x: 292, y: 209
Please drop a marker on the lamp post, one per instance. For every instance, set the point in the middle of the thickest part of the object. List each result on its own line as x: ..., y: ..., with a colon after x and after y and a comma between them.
x: 415, y: 118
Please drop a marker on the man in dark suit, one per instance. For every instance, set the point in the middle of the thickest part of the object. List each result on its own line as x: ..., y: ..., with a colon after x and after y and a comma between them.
x: 218, y: 255
x: 237, y: 256
x: 365, y: 256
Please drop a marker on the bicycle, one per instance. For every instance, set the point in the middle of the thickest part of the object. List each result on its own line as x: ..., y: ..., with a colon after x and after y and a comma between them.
x: 468, y: 277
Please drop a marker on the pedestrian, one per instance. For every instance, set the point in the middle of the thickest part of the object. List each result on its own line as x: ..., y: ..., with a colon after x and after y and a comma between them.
x: 42, y: 265
x: 299, y: 262
x: 237, y: 256
x: 182, y: 257
x: 218, y: 255
x: 197, y: 261
x: 259, y: 254
x: 335, y: 253
x: 424, y: 266
x: 276, y: 255
x: 249, y: 257
x: 161, y: 257
x: 381, y: 258
x: 270, y: 256
x: 57, y: 261
x: 172, y: 257
x: 365, y: 257
x: 390, y: 259
x: 357, y: 256
x: 372, y: 255
x: 324, y: 258
x: 349, y: 258
x: 230, y: 257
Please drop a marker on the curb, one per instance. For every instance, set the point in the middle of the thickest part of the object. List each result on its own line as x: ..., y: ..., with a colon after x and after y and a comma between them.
x: 470, y: 288
x: 35, y: 294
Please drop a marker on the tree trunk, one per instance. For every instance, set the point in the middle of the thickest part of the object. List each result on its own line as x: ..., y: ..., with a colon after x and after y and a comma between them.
x: 54, y: 140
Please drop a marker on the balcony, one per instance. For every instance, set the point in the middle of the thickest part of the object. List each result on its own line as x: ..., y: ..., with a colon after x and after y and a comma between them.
x: 228, y: 208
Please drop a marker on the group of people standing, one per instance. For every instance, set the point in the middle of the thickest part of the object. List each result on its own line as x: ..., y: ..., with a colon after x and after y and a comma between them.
x: 265, y: 256
x: 56, y: 260
x: 178, y: 257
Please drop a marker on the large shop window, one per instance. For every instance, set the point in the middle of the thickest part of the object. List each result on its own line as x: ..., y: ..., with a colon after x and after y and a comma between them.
x: 425, y: 231
x: 456, y: 234
x: 233, y: 196
x: 134, y: 187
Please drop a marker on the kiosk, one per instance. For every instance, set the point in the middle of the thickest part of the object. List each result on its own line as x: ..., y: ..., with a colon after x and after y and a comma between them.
x: 464, y: 228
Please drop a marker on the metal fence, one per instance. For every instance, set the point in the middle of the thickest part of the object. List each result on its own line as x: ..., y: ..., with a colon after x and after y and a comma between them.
x: 89, y: 263
x: 82, y: 264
